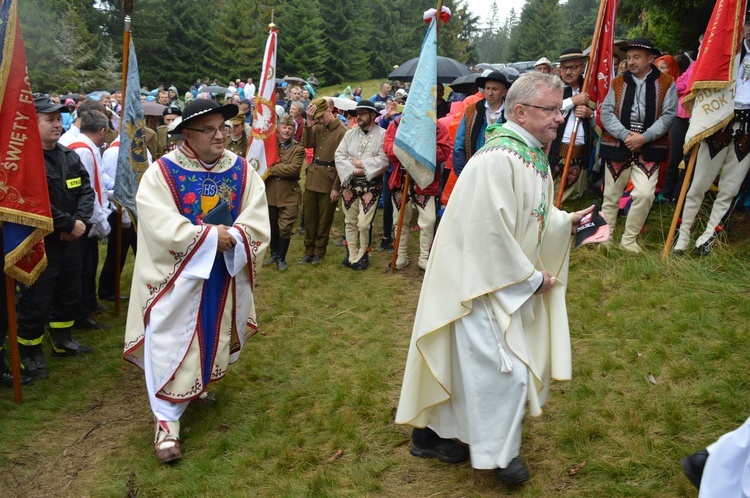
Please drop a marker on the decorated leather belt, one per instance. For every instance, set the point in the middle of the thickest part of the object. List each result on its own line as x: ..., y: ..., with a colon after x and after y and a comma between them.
x: 577, y: 151
x: 327, y: 164
x: 742, y: 116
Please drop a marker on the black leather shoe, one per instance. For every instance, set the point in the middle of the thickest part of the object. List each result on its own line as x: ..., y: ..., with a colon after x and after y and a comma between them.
x: 281, y: 265
x: 90, y: 324
x: 316, y: 260
x: 705, y: 248
x: 346, y: 263
x: 306, y: 259
x: 64, y: 345
x: 385, y: 244
x: 273, y: 259
x: 693, y: 466
x: 515, y: 473
x: 445, y: 450
x: 363, y: 263
x: 6, y: 379
x: 32, y: 362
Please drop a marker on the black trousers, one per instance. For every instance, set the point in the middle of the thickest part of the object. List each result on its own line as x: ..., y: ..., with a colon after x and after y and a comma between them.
x: 89, y: 265
x: 56, y: 294
x: 673, y: 178
x: 128, y: 240
x: 387, y: 207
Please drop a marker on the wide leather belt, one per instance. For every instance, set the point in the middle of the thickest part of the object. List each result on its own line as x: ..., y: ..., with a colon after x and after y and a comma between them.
x: 577, y: 151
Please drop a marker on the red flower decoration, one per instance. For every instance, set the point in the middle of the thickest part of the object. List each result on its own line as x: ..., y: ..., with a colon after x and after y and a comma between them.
x: 188, y: 198
x: 181, y: 178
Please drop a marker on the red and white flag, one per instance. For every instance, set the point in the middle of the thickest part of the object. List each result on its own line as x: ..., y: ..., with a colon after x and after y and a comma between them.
x: 25, y: 212
x: 263, y: 151
x: 601, y: 58
x: 712, y: 82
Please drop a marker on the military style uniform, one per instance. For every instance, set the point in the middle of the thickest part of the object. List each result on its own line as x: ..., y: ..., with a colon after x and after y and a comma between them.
x: 166, y: 142
x: 322, y: 178
x: 284, y: 195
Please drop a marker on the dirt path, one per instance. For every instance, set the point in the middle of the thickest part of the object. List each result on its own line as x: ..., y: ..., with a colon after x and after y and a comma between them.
x: 66, y: 459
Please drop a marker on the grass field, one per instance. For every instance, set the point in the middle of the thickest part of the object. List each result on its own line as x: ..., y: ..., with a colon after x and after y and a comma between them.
x: 660, y: 370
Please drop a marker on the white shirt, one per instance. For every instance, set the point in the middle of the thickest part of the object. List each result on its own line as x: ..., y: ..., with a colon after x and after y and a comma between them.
x: 569, y: 106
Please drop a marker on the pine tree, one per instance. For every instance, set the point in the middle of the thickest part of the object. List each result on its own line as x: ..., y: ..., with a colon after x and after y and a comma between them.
x: 538, y: 26
x: 456, y: 37
x: 344, y: 45
x: 301, y: 45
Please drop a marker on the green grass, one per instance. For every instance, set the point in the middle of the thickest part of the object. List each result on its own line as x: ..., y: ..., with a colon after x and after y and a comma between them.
x: 324, y: 375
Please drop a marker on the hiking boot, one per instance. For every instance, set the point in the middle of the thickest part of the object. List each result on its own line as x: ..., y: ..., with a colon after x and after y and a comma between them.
x: 515, y: 473
x: 64, y: 345
x: 316, y: 260
x: 306, y: 259
x: 32, y: 362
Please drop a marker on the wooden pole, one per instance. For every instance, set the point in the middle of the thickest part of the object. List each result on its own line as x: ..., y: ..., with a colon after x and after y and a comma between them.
x: 593, y: 55
x: 680, y: 201
x: 15, y: 360
x: 407, y: 177
x: 128, y: 8
x: 400, y: 224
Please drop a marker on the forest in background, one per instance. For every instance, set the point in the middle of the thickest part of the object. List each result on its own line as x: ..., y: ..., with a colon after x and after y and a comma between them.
x: 77, y: 44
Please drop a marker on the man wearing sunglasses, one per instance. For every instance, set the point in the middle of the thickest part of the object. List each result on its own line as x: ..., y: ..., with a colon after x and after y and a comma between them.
x: 579, y: 110
x: 202, y: 230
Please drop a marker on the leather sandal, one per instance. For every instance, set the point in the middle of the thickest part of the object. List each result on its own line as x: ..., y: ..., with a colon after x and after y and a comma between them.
x: 168, y: 449
x: 167, y: 441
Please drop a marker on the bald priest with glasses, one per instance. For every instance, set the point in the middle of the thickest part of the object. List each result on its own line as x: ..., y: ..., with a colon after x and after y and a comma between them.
x: 202, y: 229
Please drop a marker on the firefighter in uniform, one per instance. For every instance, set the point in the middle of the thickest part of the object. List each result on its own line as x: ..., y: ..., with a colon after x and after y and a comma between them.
x: 54, y: 298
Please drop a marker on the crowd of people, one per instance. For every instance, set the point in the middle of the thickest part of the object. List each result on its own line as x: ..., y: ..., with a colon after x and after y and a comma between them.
x: 489, y: 334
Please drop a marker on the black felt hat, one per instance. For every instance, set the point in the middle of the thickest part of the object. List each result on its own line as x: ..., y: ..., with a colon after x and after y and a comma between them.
x: 643, y: 44
x: 198, y: 108
x: 493, y: 76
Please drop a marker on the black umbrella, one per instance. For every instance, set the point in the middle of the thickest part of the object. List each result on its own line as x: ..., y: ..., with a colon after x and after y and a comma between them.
x: 295, y: 80
x: 465, y: 84
x: 447, y: 70
x: 214, y: 89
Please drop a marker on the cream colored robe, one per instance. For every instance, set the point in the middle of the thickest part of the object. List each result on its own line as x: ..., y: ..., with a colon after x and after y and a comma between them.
x: 499, y: 229
x: 168, y: 298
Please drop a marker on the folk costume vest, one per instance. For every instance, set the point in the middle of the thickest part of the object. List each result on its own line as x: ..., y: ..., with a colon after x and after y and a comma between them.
x: 656, y: 86
x: 554, y: 151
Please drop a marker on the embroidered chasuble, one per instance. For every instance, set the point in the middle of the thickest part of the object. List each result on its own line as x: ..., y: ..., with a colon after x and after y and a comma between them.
x: 197, y: 303
x: 499, y: 228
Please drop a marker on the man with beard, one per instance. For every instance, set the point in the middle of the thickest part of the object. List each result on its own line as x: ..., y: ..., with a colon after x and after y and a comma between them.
x: 579, y: 109
x: 360, y: 162
x: 637, y: 114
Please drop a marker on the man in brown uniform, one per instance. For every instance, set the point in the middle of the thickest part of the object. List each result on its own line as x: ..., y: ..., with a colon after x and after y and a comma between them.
x: 283, y: 192
x: 323, y: 132
x: 165, y: 141
x: 237, y: 139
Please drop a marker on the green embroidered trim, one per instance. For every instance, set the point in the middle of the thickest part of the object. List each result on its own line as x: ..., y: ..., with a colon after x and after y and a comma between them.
x: 500, y: 137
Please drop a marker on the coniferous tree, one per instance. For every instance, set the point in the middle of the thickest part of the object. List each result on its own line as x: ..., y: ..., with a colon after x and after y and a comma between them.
x: 301, y: 40
x: 456, y: 37
x: 345, y: 40
x: 538, y: 27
